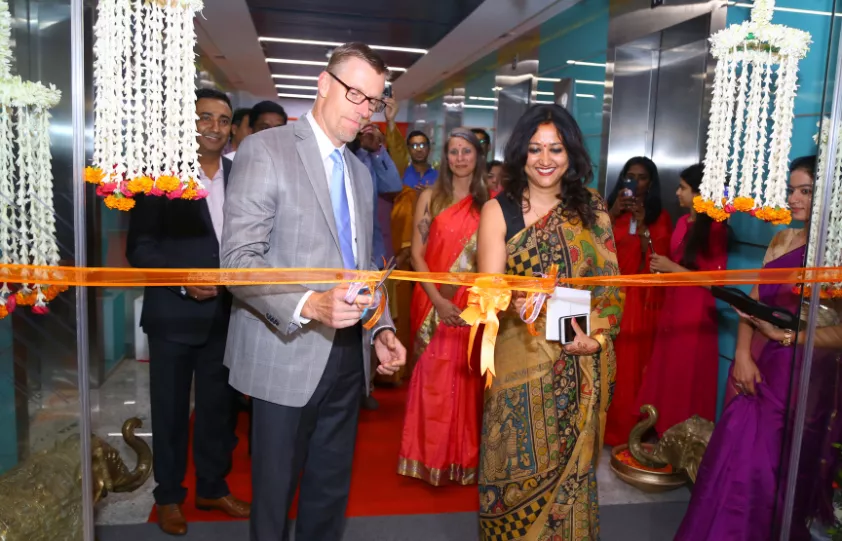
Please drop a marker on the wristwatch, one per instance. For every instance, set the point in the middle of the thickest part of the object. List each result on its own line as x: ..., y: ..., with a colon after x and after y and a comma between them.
x: 787, y: 340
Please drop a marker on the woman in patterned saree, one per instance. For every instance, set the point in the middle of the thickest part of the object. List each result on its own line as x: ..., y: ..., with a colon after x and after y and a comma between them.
x: 440, y: 441
x: 545, y: 412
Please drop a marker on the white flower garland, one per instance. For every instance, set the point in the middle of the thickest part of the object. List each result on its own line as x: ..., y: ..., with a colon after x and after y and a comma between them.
x: 144, y: 76
x: 736, y: 159
x: 27, y: 217
x: 833, y: 244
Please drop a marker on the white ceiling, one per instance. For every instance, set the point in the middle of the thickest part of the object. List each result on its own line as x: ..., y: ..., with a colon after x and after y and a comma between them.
x: 228, y: 37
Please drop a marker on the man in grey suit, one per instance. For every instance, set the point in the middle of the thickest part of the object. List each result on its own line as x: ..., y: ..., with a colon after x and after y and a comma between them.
x: 298, y: 198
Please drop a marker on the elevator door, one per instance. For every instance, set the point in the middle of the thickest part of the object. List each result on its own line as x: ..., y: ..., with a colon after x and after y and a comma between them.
x: 659, y: 108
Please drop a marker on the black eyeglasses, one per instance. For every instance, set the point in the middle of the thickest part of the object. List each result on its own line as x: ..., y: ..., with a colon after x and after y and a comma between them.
x: 356, y: 97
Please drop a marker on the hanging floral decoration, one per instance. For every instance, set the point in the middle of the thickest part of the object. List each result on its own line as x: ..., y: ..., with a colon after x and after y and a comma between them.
x: 833, y: 241
x: 27, y: 216
x: 145, y: 124
x: 755, y: 83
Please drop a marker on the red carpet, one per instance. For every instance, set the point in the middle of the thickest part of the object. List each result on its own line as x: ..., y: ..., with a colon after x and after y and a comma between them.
x: 375, y: 487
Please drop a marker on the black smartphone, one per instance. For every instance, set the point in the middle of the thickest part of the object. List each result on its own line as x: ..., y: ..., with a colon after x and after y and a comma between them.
x: 630, y: 187
x: 566, y: 332
x: 388, y: 92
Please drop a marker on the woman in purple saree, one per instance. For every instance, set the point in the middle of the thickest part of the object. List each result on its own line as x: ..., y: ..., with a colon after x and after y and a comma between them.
x: 740, y: 487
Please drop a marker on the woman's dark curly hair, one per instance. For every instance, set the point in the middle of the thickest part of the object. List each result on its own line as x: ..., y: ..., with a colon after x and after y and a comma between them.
x: 652, y: 204
x: 575, y: 197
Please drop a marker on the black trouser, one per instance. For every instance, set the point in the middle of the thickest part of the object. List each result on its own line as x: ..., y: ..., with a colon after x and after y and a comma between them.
x: 318, y: 438
x: 171, y: 370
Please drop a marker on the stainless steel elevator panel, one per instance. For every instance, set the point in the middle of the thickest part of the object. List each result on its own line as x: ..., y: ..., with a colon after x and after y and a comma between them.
x: 633, y: 112
x: 679, y: 139
x: 659, y: 104
x: 512, y: 102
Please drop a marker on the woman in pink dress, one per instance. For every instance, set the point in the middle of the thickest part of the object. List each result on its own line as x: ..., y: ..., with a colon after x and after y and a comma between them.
x: 681, y: 378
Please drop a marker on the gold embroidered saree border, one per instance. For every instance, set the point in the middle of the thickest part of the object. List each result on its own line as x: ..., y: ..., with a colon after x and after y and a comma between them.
x: 455, y: 473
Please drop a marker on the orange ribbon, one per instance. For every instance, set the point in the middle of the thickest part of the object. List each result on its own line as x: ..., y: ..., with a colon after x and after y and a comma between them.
x: 132, y: 277
x: 488, y: 296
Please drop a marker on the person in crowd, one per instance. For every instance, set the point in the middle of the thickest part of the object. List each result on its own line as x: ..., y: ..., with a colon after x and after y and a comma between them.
x: 420, y: 174
x: 494, y: 179
x: 240, y: 129
x: 484, y: 141
x: 298, y: 198
x: 681, y: 386
x: 401, y: 207
x: 545, y: 411
x: 740, y: 487
x: 387, y: 182
x: 187, y: 328
x: 266, y: 115
x: 440, y: 436
x: 641, y: 228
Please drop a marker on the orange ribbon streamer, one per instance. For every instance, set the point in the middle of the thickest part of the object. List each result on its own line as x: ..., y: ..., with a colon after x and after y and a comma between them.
x: 489, y: 296
x: 132, y: 277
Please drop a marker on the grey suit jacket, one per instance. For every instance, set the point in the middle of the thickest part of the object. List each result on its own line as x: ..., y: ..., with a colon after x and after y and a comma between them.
x: 278, y: 214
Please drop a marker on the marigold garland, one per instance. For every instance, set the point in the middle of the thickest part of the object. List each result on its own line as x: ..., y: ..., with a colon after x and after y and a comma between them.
x: 144, y: 130
x: 27, y: 215
x: 757, y: 61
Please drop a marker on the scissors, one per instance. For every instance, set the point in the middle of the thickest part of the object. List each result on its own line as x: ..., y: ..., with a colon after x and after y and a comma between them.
x: 359, y: 288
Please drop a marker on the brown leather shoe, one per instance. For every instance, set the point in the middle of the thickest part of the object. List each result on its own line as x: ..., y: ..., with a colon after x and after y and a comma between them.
x: 228, y: 505
x: 171, y: 520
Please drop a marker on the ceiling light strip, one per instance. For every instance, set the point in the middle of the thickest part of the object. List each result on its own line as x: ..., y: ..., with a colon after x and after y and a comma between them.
x: 312, y: 63
x: 296, y: 96
x: 337, y: 44
x: 581, y: 63
x: 789, y: 10
x: 297, y: 87
x: 300, y: 77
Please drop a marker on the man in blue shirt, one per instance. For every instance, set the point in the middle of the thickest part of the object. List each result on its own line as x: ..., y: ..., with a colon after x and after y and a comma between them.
x: 419, y: 174
x: 387, y: 182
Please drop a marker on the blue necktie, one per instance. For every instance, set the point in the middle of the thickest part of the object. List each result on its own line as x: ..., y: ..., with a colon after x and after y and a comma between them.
x: 339, y: 199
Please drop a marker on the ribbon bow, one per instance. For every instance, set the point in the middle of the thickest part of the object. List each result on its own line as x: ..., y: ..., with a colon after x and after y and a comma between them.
x: 488, y: 296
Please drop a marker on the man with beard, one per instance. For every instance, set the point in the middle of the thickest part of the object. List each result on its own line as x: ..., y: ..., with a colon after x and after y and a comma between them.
x: 299, y: 198
x: 187, y: 329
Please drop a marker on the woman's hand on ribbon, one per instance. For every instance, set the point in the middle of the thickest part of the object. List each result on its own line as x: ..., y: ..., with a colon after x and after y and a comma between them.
x: 329, y: 307
x: 449, y: 313
x: 582, y: 344
x: 518, y: 301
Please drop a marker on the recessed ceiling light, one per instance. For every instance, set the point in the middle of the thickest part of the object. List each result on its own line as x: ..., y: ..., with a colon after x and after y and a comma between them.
x: 547, y: 80
x: 297, y: 87
x: 590, y: 96
x: 473, y: 106
x: 545, y: 93
x: 337, y: 44
x: 312, y: 63
x: 482, y: 99
x: 580, y: 63
x: 296, y: 96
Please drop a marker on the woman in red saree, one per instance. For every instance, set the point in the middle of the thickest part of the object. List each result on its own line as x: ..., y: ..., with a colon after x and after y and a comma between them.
x: 681, y: 377
x: 440, y: 441
x: 638, y: 219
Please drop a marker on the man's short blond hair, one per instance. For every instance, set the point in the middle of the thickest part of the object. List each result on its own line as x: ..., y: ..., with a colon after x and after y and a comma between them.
x: 356, y: 50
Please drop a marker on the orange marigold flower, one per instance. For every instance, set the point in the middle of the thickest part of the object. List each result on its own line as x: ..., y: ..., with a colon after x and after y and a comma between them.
x: 189, y: 193
x: 140, y: 185
x: 94, y: 175
x: 701, y: 205
x: 3, y: 311
x: 744, y: 204
x: 119, y: 203
x: 168, y: 183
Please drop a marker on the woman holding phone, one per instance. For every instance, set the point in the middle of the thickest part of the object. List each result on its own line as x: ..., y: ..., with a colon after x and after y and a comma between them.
x: 684, y: 384
x: 641, y: 228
